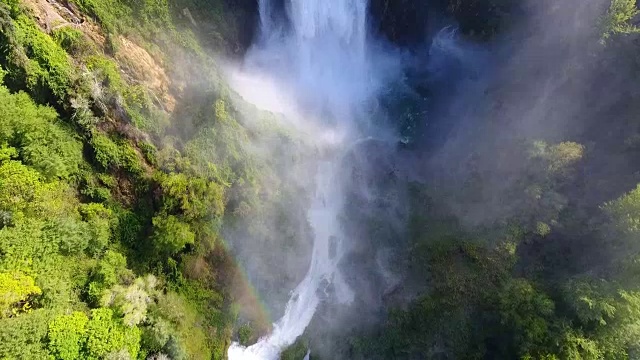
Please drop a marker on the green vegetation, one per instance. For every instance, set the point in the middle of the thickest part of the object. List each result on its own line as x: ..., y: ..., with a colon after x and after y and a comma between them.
x: 72, y: 40
x: 16, y: 289
x: 509, y: 290
x: 619, y: 17
x: 94, y: 220
x: 112, y: 208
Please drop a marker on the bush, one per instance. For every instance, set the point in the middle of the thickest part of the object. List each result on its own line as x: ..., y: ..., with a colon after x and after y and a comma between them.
x: 171, y: 234
x: 99, y: 220
x: 41, y: 140
x: 156, y: 335
x: 527, y: 314
x: 49, y: 73
x: 245, y: 333
x: 110, y: 154
x: 94, y: 188
x: 15, y: 290
x: 21, y: 337
x: 19, y: 186
x: 624, y: 213
x: 130, y: 159
x: 110, y: 270
x: 107, y: 334
x: 106, y: 152
x: 107, y: 73
x: 71, y: 39
x: 70, y: 235
x: 111, y: 13
x: 189, y: 340
x: 194, y: 197
x: 22, y: 247
x: 66, y: 336
x: 149, y: 151
x: 129, y: 227
x: 296, y: 351
x: 619, y: 17
x: 558, y: 158
x: 131, y: 302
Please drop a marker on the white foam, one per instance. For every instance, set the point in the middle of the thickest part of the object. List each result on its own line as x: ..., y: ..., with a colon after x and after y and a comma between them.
x: 319, y: 74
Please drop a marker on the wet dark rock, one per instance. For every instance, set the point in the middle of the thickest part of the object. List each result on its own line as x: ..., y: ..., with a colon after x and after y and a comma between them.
x: 333, y: 247
x: 411, y: 22
x: 245, y: 23
x: 324, y: 290
x: 403, y: 22
x: 479, y: 18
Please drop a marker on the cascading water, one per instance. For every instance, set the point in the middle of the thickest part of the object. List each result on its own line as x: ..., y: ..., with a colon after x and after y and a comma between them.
x: 323, y: 54
x: 304, y: 299
x: 324, y: 58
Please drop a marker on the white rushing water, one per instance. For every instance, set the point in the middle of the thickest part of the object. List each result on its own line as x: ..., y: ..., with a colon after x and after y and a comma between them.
x: 324, y: 58
x: 322, y: 271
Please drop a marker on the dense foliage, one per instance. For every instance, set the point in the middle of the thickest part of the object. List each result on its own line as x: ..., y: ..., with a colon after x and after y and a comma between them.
x: 109, y: 228
x: 124, y: 164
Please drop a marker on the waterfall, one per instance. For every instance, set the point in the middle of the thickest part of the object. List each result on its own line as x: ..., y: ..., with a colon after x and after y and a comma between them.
x: 322, y: 271
x: 324, y: 57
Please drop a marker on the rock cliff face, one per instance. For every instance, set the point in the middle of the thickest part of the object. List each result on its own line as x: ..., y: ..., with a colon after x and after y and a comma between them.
x: 403, y: 22
x: 246, y: 20
x: 480, y: 18
x: 407, y: 22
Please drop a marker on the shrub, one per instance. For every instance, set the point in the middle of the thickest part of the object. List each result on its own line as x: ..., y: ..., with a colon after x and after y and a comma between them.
x: 22, y: 247
x: 194, y: 197
x: 66, y: 336
x: 92, y: 187
x: 558, y: 158
x: 130, y: 160
x: 156, y: 334
x: 15, y: 290
x: 48, y: 70
x: 107, y: 334
x: 110, y: 270
x: 149, y: 151
x: 99, y: 219
x: 107, y: 73
x: 21, y: 337
x: 296, y: 351
x: 171, y: 234
x: 41, y: 140
x: 527, y: 313
x: 245, y: 333
x: 188, y: 340
x: 131, y: 302
x: 110, y: 154
x: 106, y: 152
x: 129, y: 227
x: 618, y: 18
x: 71, y: 39
x: 71, y: 235
x: 18, y: 187
x: 625, y: 212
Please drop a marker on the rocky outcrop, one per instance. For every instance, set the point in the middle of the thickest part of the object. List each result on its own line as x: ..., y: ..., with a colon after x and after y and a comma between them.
x: 480, y: 18
x: 407, y: 22
x: 403, y: 22
x: 245, y: 22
